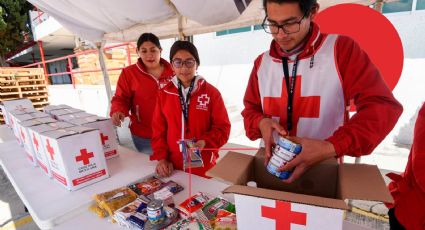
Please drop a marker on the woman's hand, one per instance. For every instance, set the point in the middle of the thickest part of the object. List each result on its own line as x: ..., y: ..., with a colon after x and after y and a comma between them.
x: 199, y: 144
x: 117, y: 118
x: 164, y: 168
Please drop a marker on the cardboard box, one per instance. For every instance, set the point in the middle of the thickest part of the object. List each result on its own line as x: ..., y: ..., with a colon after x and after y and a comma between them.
x: 60, y: 112
x: 21, y: 118
x: 40, y: 154
x: 49, y: 108
x: 108, y: 136
x: 26, y: 137
x: 76, y: 156
x: 72, y: 116
x: 314, y: 201
x: 11, y: 105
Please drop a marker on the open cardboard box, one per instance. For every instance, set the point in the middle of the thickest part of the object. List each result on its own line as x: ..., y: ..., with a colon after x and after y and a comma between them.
x: 317, y: 200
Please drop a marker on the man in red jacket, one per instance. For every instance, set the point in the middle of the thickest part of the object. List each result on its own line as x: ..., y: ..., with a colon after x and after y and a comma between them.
x: 302, y: 87
x: 408, y: 189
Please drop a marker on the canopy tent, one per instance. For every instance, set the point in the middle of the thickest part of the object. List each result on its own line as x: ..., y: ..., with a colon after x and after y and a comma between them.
x: 103, y: 21
x: 125, y: 20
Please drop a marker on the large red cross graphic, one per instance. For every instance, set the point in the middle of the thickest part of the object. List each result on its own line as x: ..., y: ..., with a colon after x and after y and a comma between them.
x: 283, y: 215
x: 50, y: 150
x: 302, y: 106
x: 103, y: 138
x: 35, y: 141
x: 84, y: 157
x: 23, y: 135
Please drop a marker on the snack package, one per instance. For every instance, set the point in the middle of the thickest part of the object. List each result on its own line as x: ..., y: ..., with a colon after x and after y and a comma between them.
x: 210, y: 209
x: 225, y: 220
x: 165, y: 195
x: 138, y: 219
x: 191, y: 155
x: 115, y: 199
x: 188, y: 207
x: 121, y: 215
x: 99, y: 211
x: 147, y: 186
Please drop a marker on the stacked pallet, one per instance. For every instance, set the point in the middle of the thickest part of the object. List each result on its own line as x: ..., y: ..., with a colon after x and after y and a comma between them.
x: 28, y: 83
x: 114, y: 58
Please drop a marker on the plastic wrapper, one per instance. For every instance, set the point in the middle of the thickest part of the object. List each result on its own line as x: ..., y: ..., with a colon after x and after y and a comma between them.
x: 225, y: 220
x: 99, y: 211
x: 192, y: 204
x: 115, y: 199
x: 190, y: 224
x: 192, y: 157
x: 147, y: 187
x: 211, y: 208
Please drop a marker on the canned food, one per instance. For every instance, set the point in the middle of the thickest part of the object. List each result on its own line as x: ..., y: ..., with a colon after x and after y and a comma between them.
x: 284, y: 151
x: 155, y: 211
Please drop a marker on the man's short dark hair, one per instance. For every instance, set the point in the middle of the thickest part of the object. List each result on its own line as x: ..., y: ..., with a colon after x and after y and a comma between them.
x: 148, y: 37
x: 184, y: 45
x: 305, y: 5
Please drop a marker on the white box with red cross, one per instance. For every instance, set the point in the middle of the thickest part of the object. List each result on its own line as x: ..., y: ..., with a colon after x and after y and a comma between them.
x: 10, y: 105
x: 17, y: 119
x: 13, y: 122
x: 59, y: 112
x: 314, y: 201
x: 76, y: 156
x: 34, y: 133
x: 108, y: 135
x: 23, y: 128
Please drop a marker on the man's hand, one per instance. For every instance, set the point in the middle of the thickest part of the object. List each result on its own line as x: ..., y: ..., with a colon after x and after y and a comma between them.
x: 199, y: 144
x: 267, y: 125
x: 117, y: 118
x: 313, y: 152
x: 164, y: 168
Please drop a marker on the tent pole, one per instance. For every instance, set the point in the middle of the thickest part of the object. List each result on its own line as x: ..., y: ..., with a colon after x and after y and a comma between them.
x: 108, y: 88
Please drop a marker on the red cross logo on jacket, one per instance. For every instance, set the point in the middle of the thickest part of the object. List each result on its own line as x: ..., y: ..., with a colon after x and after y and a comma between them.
x: 203, y: 100
x: 283, y: 215
x: 84, y: 157
x: 302, y: 106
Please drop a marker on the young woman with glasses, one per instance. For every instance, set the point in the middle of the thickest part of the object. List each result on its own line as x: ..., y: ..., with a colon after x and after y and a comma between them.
x: 188, y: 108
x: 137, y: 90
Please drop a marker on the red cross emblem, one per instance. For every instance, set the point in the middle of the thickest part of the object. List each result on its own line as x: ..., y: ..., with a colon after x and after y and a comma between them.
x: 303, y: 106
x: 23, y: 135
x: 84, y: 157
x: 103, y: 138
x: 50, y: 150
x: 203, y: 100
x: 35, y: 141
x: 283, y: 215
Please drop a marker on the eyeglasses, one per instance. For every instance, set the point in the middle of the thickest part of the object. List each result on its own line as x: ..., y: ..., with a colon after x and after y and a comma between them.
x: 287, y: 28
x: 178, y: 63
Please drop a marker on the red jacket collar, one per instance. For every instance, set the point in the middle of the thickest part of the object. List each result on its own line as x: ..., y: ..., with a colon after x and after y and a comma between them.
x: 312, y: 44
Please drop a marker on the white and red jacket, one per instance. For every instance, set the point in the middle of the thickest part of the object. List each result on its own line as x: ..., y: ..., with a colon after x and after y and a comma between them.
x: 207, y: 120
x: 408, y: 189
x: 332, y: 70
x: 136, y: 92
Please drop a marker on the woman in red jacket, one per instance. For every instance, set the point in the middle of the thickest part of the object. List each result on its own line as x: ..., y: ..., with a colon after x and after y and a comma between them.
x: 137, y: 90
x: 188, y: 108
x: 408, y: 189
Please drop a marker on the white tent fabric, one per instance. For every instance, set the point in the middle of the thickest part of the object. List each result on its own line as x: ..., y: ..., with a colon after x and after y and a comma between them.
x: 125, y: 20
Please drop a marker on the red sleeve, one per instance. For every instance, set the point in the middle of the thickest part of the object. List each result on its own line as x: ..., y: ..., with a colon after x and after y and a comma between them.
x: 219, y: 133
x: 418, y: 150
x: 159, y: 132
x: 121, y: 102
x: 377, y: 109
x: 253, y: 111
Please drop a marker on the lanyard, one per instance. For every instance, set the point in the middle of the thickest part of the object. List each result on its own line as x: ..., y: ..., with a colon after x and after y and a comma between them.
x: 290, y: 87
x: 185, y: 104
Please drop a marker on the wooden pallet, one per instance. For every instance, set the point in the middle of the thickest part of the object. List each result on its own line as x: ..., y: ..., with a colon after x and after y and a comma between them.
x: 17, y: 83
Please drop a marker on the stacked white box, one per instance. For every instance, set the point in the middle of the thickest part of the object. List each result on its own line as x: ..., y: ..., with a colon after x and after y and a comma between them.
x: 72, y: 116
x: 21, y: 118
x: 40, y: 155
x: 60, y: 112
x: 76, y: 156
x: 49, y: 108
x: 26, y: 137
x: 11, y: 105
x: 108, y: 136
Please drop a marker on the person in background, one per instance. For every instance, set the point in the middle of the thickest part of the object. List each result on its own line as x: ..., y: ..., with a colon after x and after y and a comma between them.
x: 188, y: 108
x: 137, y: 90
x: 302, y: 87
x: 408, y: 189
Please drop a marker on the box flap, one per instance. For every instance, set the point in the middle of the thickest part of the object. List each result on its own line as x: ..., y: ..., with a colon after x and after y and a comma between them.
x: 30, y: 123
x: 45, y: 120
x: 60, y: 125
x: 80, y: 129
x: 72, y: 116
x: 234, y: 168
x: 59, y: 112
x: 42, y: 128
x: 287, y: 196
x: 87, y: 120
x: 17, y: 104
x: 60, y: 133
x: 363, y: 182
